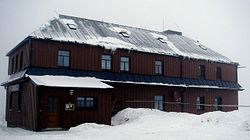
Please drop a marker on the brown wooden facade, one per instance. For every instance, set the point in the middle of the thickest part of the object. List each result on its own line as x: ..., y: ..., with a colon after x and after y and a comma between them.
x: 36, y: 53
x: 40, y: 53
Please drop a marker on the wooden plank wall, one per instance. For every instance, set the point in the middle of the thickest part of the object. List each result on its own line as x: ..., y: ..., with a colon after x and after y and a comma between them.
x: 72, y: 118
x: 44, y: 54
x: 26, y: 117
x: 191, y: 70
x: 132, y: 92
x: 229, y: 97
x: 144, y: 93
x: 26, y: 53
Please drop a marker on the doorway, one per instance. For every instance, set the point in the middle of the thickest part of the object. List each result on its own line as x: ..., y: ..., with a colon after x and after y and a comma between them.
x: 53, y: 112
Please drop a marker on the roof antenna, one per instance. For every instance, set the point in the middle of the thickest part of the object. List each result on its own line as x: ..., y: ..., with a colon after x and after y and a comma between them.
x: 178, y: 27
x: 57, y: 15
x: 163, y: 25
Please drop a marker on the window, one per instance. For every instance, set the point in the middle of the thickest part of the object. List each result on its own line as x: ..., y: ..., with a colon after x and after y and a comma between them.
x: 52, y: 104
x: 63, y: 58
x: 106, y: 62
x: 202, y: 72
x: 19, y: 101
x: 218, y: 103
x: 89, y: 102
x: 16, y: 65
x: 124, y: 64
x: 86, y: 103
x: 13, y: 65
x: 21, y: 61
x: 80, y: 102
x: 200, y: 101
x: 10, y: 100
x: 159, y: 102
x: 158, y: 67
x: 218, y: 73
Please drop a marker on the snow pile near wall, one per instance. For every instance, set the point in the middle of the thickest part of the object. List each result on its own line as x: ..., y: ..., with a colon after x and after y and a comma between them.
x: 150, y: 124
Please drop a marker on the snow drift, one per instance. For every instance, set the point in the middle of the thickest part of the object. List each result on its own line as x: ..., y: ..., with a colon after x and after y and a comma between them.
x: 148, y: 124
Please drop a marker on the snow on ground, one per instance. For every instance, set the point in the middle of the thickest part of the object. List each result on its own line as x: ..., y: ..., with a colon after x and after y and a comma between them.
x: 148, y: 124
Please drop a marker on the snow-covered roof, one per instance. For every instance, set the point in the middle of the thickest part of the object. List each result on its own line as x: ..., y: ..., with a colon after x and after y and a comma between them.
x: 14, y: 77
x: 108, y: 35
x: 67, y: 81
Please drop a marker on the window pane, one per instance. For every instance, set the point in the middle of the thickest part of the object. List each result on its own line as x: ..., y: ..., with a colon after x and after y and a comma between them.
x: 108, y: 65
x: 80, y: 101
x: 122, y: 66
x: 158, y: 67
x: 106, y: 57
x: 159, y: 102
x: 103, y: 64
x: 89, y: 102
x: 127, y: 66
x: 66, y: 61
x: 60, y: 60
x: 63, y: 58
x: 124, y: 59
x: 66, y: 53
x: 106, y: 62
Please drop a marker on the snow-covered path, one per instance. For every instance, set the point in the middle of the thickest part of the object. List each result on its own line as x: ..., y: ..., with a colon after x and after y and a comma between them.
x: 147, y: 124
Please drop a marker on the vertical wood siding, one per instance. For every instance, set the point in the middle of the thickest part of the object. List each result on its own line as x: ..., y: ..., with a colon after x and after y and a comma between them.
x: 25, y: 63
x: 229, y: 97
x: 26, y: 117
x: 191, y: 70
x: 140, y: 94
x: 72, y: 118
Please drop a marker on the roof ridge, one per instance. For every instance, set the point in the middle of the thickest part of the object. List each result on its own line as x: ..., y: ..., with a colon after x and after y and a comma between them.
x: 128, y: 26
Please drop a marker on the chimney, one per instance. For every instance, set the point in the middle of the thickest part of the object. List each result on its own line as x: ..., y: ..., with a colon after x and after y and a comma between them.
x: 172, y: 32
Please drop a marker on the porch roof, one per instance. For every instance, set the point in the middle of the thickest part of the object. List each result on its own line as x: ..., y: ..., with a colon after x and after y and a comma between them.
x: 68, y: 81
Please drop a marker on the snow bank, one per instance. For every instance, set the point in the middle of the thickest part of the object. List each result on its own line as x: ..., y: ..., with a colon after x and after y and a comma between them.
x: 148, y: 124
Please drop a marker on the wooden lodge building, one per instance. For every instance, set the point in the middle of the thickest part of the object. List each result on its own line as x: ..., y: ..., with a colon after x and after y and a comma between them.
x: 74, y: 70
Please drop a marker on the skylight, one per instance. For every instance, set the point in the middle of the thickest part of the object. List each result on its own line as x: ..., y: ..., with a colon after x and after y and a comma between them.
x: 122, y: 31
x: 200, y: 45
x: 124, y: 34
x: 72, y: 26
x: 70, y: 23
x: 161, y: 38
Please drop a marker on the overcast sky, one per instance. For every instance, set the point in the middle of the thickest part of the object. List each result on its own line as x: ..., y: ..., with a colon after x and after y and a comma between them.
x: 222, y: 25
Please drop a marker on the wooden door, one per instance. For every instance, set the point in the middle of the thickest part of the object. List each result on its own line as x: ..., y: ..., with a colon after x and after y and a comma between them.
x: 53, y: 112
